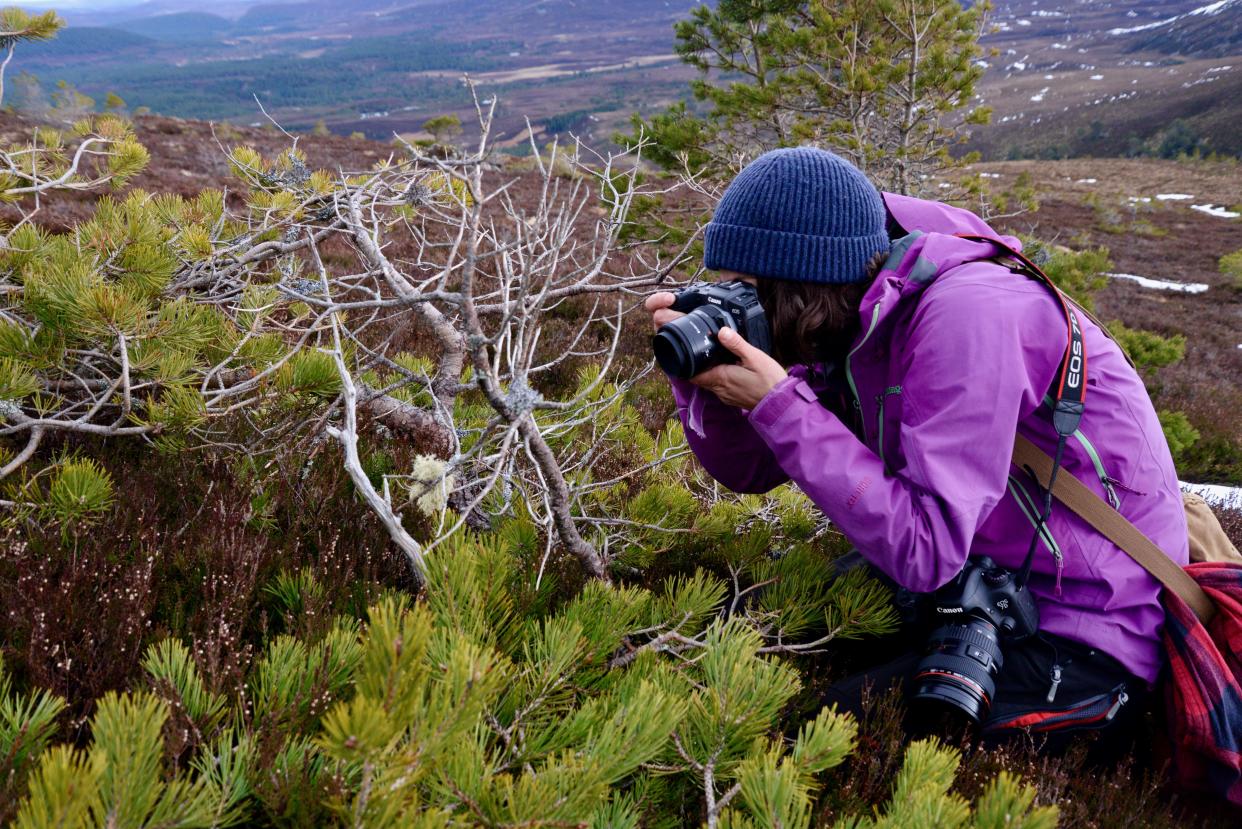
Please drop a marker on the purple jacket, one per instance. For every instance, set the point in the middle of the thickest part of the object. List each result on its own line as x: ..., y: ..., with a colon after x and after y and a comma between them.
x: 955, y: 355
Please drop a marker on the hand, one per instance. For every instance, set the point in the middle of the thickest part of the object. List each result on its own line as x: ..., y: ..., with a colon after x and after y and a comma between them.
x: 658, y: 304
x: 745, y: 383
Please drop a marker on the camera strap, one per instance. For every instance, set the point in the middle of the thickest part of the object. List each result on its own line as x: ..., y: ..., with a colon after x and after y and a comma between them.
x: 1075, y: 495
x: 1069, y: 387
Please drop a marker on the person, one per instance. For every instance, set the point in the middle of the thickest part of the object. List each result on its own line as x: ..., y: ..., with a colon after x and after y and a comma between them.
x: 904, y: 360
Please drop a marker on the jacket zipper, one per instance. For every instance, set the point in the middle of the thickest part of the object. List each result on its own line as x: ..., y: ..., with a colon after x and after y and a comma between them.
x: 1088, y: 711
x: 879, y: 418
x: 849, y: 375
x: 1106, y: 480
x: 1029, y: 509
x: 1101, y: 473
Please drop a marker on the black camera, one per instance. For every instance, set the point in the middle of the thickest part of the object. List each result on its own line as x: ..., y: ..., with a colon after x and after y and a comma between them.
x: 982, y: 606
x: 689, y: 345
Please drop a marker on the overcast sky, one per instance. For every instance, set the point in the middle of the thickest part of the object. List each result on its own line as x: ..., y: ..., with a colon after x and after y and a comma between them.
x: 80, y: 4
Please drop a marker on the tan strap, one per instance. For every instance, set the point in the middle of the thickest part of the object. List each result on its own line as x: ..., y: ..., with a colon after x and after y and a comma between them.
x: 1096, y: 511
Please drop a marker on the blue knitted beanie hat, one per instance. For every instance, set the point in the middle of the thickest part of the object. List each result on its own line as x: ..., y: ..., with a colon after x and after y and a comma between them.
x: 801, y: 214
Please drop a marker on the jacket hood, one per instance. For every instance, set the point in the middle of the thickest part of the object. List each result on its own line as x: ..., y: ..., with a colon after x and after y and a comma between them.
x: 909, y: 214
x: 925, y: 245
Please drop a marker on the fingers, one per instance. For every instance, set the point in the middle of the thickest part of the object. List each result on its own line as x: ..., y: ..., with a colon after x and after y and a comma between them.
x: 664, y: 316
x: 656, y: 301
x: 733, y: 341
x: 712, y: 378
x: 658, y: 305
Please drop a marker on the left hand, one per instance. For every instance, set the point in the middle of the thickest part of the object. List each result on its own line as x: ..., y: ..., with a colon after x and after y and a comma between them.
x: 745, y: 383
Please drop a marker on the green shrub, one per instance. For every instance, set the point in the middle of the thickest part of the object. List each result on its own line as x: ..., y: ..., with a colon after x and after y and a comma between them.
x: 1216, y: 458
x: 1148, y: 350
x: 474, y: 706
x: 1178, y: 432
x: 1079, y: 273
x: 1231, y: 266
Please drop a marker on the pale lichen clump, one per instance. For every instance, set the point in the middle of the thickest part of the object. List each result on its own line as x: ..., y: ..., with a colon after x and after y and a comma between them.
x: 429, y: 485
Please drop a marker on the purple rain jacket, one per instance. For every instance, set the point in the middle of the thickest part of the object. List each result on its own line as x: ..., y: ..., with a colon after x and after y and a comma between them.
x: 956, y: 354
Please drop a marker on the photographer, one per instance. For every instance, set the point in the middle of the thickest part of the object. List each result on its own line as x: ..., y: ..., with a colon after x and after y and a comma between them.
x: 903, y: 361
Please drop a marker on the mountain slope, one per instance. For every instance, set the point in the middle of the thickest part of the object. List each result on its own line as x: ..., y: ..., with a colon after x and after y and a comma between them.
x: 1111, y: 78
x: 178, y: 26
x: 1214, y: 30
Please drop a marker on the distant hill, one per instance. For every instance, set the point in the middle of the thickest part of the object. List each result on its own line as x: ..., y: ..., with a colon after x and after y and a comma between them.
x: 379, y: 66
x: 84, y: 43
x: 178, y: 27
x: 280, y: 16
x: 1069, y: 77
x: 1121, y: 77
x: 1213, y: 30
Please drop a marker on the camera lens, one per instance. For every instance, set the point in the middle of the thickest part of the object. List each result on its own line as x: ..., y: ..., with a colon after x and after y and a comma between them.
x: 688, y: 345
x: 960, y: 668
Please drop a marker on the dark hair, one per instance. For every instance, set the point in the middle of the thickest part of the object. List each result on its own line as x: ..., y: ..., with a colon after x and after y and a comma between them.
x: 813, y: 321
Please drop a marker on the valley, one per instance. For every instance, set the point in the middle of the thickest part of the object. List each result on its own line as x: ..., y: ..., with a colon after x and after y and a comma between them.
x: 1064, y: 78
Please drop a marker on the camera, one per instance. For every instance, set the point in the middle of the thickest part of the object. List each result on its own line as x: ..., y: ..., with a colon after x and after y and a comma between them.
x: 983, y: 606
x: 689, y: 345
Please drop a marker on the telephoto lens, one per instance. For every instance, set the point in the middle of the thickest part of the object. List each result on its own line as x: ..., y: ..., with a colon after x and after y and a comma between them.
x: 983, y: 605
x: 960, y: 668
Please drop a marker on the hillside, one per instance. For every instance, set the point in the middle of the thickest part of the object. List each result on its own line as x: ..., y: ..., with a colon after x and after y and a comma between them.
x: 380, y: 67
x: 1213, y: 30
x: 1068, y: 78
x: 1117, y: 203
x: 189, y: 27
x: 1113, y: 79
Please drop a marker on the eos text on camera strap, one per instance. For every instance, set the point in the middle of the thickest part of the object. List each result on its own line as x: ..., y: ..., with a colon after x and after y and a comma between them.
x: 1068, y: 391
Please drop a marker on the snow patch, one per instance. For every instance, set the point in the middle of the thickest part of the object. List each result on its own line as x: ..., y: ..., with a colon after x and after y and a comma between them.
x: 1173, y: 196
x: 1040, y: 95
x: 1219, y: 212
x: 1097, y: 77
x: 1210, y: 9
x: 1024, y: 22
x: 1161, y: 284
x: 1229, y: 497
x: 1085, y: 181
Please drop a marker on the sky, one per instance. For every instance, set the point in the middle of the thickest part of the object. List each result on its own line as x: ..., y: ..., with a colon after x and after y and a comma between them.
x: 101, y: 5
x: 79, y: 4
x: 111, y: 5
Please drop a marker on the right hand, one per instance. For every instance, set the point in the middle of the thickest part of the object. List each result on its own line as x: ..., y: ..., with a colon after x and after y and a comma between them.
x: 658, y: 304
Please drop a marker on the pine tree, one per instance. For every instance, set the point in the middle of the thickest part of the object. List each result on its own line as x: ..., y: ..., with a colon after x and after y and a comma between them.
x: 17, y: 26
x: 480, y: 705
x: 887, y: 84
